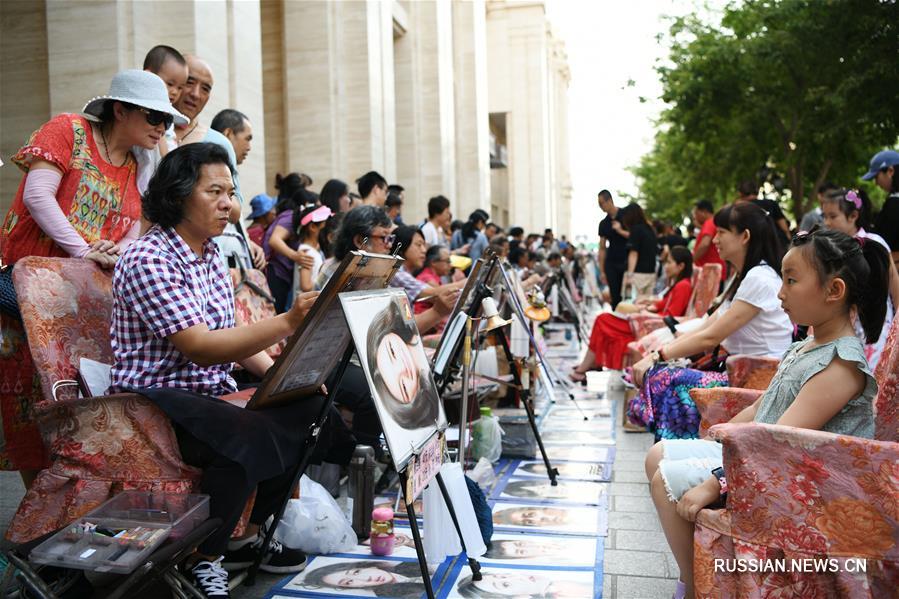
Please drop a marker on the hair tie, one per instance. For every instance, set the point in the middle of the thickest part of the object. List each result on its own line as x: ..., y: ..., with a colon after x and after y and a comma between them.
x: 853, y: 198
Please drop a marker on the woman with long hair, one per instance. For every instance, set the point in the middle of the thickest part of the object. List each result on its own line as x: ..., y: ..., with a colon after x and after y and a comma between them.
x: 281, y: 245
x: 749, y: 321
x: 611, y: 333
x: 642, y: 247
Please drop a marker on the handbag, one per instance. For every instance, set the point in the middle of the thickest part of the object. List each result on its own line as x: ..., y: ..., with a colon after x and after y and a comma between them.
x: 9, y: 301
x: 711, y: 361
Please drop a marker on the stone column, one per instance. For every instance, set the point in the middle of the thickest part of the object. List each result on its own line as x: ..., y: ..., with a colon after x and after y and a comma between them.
x: 518, y: 79
x: 338, y: 104
x: 472, y: 130
x: 24, y: 93
x: 425, y: 119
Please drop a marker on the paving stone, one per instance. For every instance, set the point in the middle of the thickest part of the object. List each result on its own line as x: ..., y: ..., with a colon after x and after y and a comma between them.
x: 633, y: 521
x: 631, y: 503
x: 629, y: 476
x: 640, y: 490
x: 673, y: 569
x: 636, y: 587
x: 630, y: 466
x: 635, y: 563
x: 607, y: 580
x: 642, y: 540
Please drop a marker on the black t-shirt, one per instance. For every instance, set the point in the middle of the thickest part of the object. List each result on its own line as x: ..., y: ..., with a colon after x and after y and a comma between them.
x: 616, y: 253
x: 643, y: 241
x: 887, y: 222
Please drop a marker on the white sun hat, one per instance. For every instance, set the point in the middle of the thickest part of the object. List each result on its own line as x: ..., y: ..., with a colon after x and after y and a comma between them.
x: 140, y: 88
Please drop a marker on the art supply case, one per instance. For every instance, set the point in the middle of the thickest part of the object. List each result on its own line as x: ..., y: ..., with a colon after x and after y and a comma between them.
x: 148, y: 519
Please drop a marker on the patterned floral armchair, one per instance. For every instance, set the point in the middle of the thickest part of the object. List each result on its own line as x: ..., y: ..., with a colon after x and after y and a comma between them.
x: 797, y: 494
x: 98, y: 446
x: 705, y: 287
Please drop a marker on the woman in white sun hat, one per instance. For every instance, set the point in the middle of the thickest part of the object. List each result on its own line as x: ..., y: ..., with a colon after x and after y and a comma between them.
x: 78, y: 198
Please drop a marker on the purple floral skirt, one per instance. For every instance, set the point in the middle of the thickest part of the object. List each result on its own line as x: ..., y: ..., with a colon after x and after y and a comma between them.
x: 664, y: 404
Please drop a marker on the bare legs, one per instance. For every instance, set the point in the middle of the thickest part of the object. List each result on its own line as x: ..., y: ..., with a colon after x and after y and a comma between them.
x: 578, y: 373
x: 678, y: 532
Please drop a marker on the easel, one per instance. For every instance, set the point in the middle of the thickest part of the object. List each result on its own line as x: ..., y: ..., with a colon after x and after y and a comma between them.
x: 480, y: 292
x: 308, y: 447
x: 547, y: 371
x: 410, y: 492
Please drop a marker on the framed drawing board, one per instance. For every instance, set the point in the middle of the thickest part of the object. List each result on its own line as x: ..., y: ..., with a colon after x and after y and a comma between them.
x: 318, y: 344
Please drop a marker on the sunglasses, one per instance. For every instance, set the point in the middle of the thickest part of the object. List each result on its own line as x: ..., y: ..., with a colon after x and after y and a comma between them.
x: 154, y: 117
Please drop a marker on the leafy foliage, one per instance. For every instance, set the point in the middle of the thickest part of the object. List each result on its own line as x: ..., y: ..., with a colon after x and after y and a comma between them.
x: 808, y: 87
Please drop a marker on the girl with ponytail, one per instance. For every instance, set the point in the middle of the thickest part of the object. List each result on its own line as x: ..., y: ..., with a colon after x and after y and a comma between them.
x: 823, y: 383
x: 849, y: 211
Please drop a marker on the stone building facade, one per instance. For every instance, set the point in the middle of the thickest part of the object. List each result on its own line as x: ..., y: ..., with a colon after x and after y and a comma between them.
x: 461, y: 98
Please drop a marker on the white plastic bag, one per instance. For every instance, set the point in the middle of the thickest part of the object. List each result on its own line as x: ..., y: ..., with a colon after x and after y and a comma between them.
x: 483, y: 474
x: 440, y: 536
x: 314, y: 523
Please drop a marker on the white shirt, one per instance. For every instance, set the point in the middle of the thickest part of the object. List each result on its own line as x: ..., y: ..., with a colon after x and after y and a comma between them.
x: 433, y: 235
x: 770, y: 332
x: 316, y: 266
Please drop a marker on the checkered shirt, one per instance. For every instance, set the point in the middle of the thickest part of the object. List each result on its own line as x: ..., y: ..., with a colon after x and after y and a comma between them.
x: 412, y: 286
x: 161, y: 287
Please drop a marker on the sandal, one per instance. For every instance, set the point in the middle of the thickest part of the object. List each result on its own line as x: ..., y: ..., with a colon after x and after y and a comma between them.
x: 577, y: 376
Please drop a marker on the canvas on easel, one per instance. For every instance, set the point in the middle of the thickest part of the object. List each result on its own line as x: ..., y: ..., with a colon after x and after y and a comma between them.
x: 390, y: 350
x: 318, y: 344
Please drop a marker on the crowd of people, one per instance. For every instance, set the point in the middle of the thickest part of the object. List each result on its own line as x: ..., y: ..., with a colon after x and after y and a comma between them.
x: 139, y: 185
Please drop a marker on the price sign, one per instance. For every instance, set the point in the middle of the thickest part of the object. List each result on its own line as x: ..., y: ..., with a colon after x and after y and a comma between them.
x: 424, y: 466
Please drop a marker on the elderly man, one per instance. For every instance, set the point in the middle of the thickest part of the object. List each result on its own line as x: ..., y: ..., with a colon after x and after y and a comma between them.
x: 235, y: 248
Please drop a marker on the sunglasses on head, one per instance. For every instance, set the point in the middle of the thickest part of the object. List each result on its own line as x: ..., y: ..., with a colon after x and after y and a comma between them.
x: 154, y: 117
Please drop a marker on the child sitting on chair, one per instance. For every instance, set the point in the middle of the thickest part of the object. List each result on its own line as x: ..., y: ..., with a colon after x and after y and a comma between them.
x: 823, y: 383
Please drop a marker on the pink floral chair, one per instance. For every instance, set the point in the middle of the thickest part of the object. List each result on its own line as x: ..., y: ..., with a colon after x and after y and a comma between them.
x: 796, y: 493
x: 705, y: 287
x: 98, y: 446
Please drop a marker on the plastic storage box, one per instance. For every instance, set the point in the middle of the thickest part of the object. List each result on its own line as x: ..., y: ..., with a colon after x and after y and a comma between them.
x: 119, y: 535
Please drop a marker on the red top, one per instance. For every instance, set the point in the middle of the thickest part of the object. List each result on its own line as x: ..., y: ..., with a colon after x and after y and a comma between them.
x: 99, y: 199
x: 427, y: 275
x: 675, y: 302
x: 256, y: 233
x: 711, y: 255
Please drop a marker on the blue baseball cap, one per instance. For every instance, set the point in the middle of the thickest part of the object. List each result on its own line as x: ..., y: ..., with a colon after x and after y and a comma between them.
x: 261, y: 205
x: 881, y: 160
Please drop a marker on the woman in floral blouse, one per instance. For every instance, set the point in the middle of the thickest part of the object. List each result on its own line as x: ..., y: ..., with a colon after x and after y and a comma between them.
x: 78, y: 198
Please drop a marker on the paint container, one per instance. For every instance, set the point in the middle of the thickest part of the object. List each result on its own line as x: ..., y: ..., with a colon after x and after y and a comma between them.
x: 382, y: 537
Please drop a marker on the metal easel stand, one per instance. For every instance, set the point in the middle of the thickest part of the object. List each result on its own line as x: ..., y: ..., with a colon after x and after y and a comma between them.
x: 409, y: 501
x: 528, y: 406
x: 308, y: 447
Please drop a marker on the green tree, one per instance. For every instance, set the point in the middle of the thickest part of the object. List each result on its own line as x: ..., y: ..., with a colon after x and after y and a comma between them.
x: 808, y: 86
